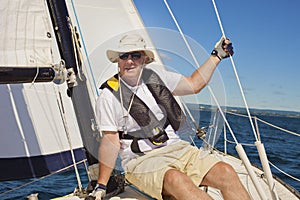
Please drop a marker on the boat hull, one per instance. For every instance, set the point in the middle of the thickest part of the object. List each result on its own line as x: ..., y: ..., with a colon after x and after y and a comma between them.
x: 37, y: 166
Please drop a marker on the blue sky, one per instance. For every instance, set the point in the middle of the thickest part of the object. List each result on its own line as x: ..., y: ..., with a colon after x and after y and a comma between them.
x: 265, y: 36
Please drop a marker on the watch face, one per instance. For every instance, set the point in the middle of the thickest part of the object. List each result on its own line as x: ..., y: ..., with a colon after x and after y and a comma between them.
x: 214, y: 52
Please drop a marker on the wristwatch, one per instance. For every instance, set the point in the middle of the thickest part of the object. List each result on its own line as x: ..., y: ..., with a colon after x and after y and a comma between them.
x: 100, y: 186
x: 215, y: 53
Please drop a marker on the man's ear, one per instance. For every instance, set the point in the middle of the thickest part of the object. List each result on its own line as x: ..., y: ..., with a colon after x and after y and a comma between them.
x: 147, y: 59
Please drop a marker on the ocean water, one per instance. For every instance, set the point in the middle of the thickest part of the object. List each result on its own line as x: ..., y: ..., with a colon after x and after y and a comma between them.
x: 282, y: 148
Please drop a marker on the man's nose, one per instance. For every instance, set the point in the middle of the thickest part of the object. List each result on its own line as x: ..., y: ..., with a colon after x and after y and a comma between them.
x: 129, y: 58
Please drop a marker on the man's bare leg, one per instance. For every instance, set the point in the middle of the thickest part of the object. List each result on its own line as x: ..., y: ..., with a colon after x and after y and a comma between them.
x: 181, y: 187
x: 223, y: 177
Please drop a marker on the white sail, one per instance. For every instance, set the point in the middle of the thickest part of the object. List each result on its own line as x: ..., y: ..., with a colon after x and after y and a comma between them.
x: 25, y: 34
x: 102, y: 24
x: 32, y: 131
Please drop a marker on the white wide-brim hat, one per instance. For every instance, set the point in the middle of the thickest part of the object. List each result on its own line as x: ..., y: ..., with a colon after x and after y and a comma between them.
x: 130, y: 43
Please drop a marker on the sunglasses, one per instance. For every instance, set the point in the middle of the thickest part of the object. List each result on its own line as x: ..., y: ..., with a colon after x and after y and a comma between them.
x: 134, y: 55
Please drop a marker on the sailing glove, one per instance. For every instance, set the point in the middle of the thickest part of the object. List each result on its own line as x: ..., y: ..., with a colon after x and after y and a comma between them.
x: 99, y: 192
x: 222, y: 49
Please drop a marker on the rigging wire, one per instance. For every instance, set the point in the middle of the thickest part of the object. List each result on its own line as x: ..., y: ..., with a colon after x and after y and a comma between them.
x: 197, y: 64
x: 239, y: 147
x: 290, y: 132
x: 41, y: 178
x: 288, y: 175
x: 259, y: 145
x: 235, y: 72
x: 267, y: 123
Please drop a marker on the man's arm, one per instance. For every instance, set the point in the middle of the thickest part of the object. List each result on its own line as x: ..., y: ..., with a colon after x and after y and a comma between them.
x: 108, y: 153
x: 201, y: 76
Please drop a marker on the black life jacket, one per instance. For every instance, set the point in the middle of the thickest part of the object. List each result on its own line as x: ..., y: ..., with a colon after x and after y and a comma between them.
x: 141, y: 113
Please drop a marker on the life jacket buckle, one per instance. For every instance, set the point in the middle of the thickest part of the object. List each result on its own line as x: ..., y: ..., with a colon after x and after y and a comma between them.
x: 160, y: 137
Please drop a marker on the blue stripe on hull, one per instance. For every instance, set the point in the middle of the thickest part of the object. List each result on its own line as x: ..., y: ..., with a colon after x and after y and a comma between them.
x: 37, y: 166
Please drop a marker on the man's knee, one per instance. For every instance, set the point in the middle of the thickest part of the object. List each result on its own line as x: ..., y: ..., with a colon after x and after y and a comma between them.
x: 172, y: 176
x: 171, y: 181
x: 227, y: 180
x: 225, y: 173
x: 224, y: 169
x: 220, y: 175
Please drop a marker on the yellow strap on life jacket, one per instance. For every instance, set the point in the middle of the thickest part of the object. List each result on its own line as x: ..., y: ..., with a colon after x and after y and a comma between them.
x: 113, y: 83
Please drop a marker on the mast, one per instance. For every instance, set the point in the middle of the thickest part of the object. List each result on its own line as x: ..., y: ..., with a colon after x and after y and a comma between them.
x: 77, y: 86
x: 61, y: 23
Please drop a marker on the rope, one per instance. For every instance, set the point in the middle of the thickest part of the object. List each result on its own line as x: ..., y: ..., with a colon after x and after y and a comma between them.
x: 76, y: 48
x: 35, y: 77
x: 235, y: 72
x: 84, y: 47
x: 125, y: 116
x: 64, y: 120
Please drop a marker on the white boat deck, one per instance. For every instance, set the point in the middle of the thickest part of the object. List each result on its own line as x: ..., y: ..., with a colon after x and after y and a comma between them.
x: 282, y: 191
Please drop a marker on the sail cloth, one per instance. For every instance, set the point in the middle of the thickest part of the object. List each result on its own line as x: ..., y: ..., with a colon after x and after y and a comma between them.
x: 25, y: 37
x: 32, y: 132
x: 25, y: 34
x: 102, y: 24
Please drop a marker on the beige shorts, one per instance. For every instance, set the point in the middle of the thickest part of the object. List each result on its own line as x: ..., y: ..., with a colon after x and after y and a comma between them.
x: 147, y: 172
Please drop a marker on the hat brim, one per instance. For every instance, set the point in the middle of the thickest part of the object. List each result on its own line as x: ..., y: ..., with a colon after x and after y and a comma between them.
x: 113, y: 55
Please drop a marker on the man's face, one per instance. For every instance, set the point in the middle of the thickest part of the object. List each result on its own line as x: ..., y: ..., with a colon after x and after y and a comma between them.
x: 130, y: 65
